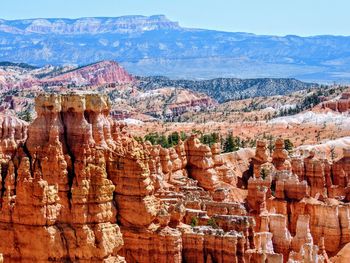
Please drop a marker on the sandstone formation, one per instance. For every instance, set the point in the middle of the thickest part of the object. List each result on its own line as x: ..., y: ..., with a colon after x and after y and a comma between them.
x: 340, y: 105
x: 170, y: 102
x: 261, y: 157
x: 302, y: 201
x: 57, y: 199
x: 85, y: 191
x: 13, y: 132
x: 77, y: 187
x: 95, y: 74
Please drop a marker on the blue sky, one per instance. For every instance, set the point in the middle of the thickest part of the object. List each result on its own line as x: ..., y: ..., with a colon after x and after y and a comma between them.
x: 276, y: 17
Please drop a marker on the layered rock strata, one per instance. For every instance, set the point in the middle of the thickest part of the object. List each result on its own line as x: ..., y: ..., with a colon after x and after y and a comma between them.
x: 340, y: 105
x: 76, y: 187
x: 302, y: 201
x: 58, y: 199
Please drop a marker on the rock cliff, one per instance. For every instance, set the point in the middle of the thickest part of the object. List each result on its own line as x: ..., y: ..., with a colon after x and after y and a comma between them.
x: 77, y: 187
x: 340, y: 105
x: 302, y: 201
x: 100, y: 73
x: 57, y: 199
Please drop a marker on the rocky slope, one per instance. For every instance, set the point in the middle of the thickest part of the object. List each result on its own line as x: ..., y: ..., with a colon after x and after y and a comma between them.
x: 230, y: 89
x: 20, y: 84
x: 19, y: 76
x: 77, y: 187
x: 340, y: 104
x: 141, y: 44
x: 96, y: 74
x: 13, y: 75
x: 170, y: 102
x: 269, y: 107
x: 155, y: 97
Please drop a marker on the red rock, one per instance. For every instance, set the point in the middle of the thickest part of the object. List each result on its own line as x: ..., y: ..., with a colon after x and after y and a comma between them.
x: 224, y: 172
x: 289, y: 187
x: 261, y: 157
x: 281, y: 237
x: 341, y: 169
x: 343, y: 256
x: 76, y: 186
x: 341, y: 105
x: 201, y: 164
x: 280, y: 156
x: 263, y: 251
x: 207, y: 245
x: 142, y: 245
x: 13, y: 133
x: 64, y: 200
x: 100, y: 73
x: 303, y: 234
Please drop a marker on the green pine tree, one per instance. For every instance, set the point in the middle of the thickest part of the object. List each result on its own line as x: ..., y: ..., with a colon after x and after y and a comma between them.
x: 288, y: 145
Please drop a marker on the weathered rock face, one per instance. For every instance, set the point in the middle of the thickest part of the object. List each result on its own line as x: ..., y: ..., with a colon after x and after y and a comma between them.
x: 281, y: 237
x: 201, y: 164
x: 289, y: 187
x: 13, y: 133
x: 85, y: 191
x: 76, y: 187
x: 343, y: 255
x: 203, y: 244
x: 303, y: 234
x: 280, y: 156
x: 58, y: 199
x: 225, y: 173
x: 142, y: 245
x: 341, y: 171
x: 96, y: 74
x: 261, y: 157
x: 142, y: 217
x: 263, y: 251
x: 341, y: 105
x: 325, y: 178
x: 296, y: 202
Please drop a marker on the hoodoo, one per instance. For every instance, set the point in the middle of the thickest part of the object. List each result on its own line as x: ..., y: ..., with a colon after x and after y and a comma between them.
x: 77, y: 187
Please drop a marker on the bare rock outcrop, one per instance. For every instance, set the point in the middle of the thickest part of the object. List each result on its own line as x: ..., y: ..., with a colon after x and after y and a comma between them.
x: 63, y: 207
x: 302, y: 201
x: 280, y: 156
x: 201, y: 164
x: 203, y: 244
x: 13, y: 133
x: 261, y: 157
x: 100, y: 73
x: 77, y: 187
x: 340, y: 105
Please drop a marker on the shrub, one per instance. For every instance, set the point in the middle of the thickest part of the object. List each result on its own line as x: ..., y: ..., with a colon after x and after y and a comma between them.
x: 212, y: 222
x: 194, y: 221
x: 288, y: 145
x: 263, y: 173
x: 25, y: 115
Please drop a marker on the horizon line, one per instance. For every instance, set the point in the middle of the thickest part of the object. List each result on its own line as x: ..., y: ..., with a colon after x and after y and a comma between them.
x: 183, y: 27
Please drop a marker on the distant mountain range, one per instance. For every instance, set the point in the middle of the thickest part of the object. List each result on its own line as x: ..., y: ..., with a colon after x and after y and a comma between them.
x: 155, y: 45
